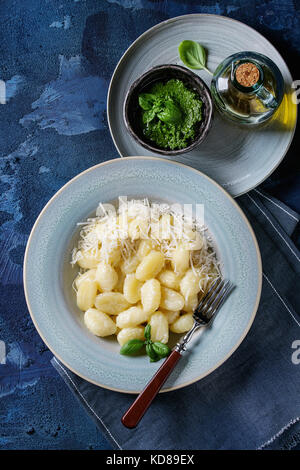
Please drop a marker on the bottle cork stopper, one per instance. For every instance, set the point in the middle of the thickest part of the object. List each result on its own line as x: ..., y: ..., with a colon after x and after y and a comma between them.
x: 247, y: 74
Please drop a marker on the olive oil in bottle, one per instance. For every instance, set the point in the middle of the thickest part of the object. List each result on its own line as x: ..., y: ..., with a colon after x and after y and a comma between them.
x: 247, y: 88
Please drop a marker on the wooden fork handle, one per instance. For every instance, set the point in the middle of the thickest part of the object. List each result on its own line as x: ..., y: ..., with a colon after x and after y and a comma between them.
x: 139, y: 407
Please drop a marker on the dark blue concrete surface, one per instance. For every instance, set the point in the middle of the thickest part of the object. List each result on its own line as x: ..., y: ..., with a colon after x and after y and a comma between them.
x: 71, y: 47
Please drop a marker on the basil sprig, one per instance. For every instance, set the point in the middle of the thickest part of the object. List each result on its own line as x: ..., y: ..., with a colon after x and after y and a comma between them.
x: 193, y: 55
x: 155, y: 350
x: 151, y: 353
x: 131, y: 347
x: 162, y: 350
x: 163, y: 108
x: 147, y: 332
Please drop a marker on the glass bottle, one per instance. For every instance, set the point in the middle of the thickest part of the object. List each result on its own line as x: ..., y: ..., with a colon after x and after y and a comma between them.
x: 247, y: 88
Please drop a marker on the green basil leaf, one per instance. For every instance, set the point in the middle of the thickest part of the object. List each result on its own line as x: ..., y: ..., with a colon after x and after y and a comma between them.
x: 151, y: 353
x: 161, y: 349
x: 131, y: 347
x: 147, y: 332
x: 158, y: 105
x: 148, y: 116
x: 171, y: 113
x: 193, y: 55
x: 146, y: 101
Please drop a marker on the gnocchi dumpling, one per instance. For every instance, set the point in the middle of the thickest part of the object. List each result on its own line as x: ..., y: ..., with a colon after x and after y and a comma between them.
x: 183, y: 324
x: 110, y: 252
x: 88, y: 275
x: 126, y: 334
x: 88, y: 259
x: 138, y: 228
x: 99, y: 323
x: 190, y: 284
x: 195, y: 240
x: 150, y: 266
x: 170, y: 315
x: 169, y: 278
x: 133, y: 316
x: 159, y: 327
x: 171, y: 300
x: 121, y: 279
x: 144, y: 248
x: 150, y: 295
x: 86, y: 294
x: 180, y: 259
x: 111, y: 302
x: 130, y: 264
x: 132, y: 289
x: 191, y: 303
x: 106, y: 276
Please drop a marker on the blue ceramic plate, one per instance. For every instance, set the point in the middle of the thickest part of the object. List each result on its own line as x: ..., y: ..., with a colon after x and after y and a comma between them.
x: 48, y: 274
x: 237, y: 158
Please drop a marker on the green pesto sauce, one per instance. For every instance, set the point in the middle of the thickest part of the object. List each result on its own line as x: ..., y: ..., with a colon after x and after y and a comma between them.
x: 170, y: 113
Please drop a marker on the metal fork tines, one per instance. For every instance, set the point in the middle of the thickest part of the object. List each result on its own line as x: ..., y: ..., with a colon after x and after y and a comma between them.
x: 207, y: 309
x: 212, y: 301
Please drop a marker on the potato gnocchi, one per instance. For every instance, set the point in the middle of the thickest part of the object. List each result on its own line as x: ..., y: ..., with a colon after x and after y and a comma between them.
x: 138, y: 265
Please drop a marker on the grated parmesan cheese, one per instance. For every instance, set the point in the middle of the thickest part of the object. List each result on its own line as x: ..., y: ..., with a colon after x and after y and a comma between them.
x: 108, y: 230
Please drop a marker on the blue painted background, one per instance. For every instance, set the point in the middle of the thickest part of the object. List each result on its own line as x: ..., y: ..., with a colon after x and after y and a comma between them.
x: 69, y: 48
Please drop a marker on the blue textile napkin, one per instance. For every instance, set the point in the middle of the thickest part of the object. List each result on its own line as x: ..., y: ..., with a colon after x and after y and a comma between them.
x: 253, y: 400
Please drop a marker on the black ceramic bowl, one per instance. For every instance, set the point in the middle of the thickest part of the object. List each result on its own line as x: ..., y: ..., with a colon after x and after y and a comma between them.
x: 162, y: 73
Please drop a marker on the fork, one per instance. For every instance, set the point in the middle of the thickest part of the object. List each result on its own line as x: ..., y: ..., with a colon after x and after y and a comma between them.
x: 203, y: 316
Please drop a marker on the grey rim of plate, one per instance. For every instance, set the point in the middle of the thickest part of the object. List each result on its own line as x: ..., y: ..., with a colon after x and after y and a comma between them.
x: 237, y: 158
x: 44, y: 251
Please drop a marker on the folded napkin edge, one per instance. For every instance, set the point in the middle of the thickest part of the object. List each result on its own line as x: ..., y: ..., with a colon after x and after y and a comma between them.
x: 279, y: 433
x: 75, y: 390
